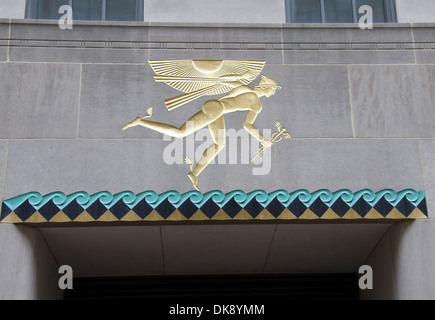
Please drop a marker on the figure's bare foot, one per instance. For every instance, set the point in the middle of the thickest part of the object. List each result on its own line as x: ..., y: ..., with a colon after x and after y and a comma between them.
x: 189, y: 162
x: 150, y: 113
x: 194, y: 180
x: 136, y: 121
x: 133, y: 123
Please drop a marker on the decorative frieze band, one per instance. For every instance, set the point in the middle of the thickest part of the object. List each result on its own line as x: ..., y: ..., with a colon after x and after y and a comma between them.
x: 158, y: 45
x: 214, y: 206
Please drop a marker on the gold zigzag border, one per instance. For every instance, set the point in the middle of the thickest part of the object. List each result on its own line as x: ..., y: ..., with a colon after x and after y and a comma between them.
x: 221, y: 215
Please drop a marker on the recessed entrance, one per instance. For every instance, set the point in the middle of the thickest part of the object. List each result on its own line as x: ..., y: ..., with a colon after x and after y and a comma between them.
x: 215, y: 288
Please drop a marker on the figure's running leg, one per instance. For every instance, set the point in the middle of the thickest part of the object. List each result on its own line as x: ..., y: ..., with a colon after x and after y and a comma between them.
x: 217, y: 130
x: 196, y: 122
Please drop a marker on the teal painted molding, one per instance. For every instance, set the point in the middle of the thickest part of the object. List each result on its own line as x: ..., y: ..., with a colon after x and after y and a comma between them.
x: 297, y: 202
x: 176, y: 199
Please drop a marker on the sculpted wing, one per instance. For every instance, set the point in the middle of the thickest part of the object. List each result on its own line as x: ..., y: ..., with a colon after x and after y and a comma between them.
x: 197, y: 78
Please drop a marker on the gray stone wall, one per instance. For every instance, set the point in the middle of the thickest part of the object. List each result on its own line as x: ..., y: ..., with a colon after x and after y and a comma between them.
x: 358, y: 103
x: 402, y: 263
x: 416, y: 11
x: 225, y: 11
x: 29, y: 271
x: 13, y: 9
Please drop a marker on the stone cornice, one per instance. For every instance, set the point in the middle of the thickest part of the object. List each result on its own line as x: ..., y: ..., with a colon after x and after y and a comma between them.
x: 135, y: 42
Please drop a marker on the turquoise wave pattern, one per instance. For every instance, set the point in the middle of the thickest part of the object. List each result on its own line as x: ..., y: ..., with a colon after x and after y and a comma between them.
x: 176, y: 199
x: 59, y: 201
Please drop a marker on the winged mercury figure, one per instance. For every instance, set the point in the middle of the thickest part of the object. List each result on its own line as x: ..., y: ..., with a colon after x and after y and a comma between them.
x: 198, y: 78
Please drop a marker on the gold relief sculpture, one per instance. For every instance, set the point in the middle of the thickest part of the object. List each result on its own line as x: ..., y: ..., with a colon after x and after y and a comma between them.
x: 197, y: 78
x: 276, y: 137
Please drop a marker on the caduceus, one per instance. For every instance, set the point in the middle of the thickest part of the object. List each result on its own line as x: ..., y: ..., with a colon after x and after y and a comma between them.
x: 198, y: 78
x: 276, y: 137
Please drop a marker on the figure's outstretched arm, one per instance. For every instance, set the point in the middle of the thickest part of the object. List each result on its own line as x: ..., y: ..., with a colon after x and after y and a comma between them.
x: 250, y: 127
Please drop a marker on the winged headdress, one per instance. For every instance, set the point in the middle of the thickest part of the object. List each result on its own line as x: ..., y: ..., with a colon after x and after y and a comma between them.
x: 197, y: 78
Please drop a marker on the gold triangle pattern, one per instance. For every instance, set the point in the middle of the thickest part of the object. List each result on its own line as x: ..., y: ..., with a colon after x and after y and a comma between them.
x: 274, y: 210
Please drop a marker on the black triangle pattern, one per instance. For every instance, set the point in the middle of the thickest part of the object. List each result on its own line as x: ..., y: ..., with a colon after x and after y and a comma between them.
x: 210, y: 208
x: 119, y: 209
x: 25, y: 211
x: 340, y: 207
x: 275, y: 207
x: 297, y: 207
x: 96, y: 210
x: 49, y: 210
x: 405, y: 207
x: 318, y: 207
x: 232, y: 208
x: 423, y: 207
x: 188, y: 209
x: 254, y: 208
x: 165, y: 209
x: 73, y: 210
x: 142, y: 209
x: 361, y: 207
x: 6, y: 211
x: 383, y: 207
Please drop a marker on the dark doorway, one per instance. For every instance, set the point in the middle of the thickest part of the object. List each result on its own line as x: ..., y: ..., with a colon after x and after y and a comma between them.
x: 218, y: 287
